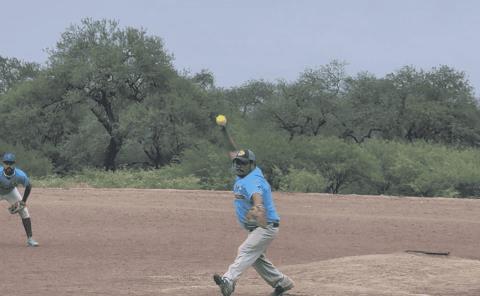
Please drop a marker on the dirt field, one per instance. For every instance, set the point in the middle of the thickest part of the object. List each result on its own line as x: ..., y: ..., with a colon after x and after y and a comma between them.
x: 167, y: 242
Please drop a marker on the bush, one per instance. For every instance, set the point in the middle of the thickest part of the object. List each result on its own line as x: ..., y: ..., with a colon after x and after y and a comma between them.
x: 305, y: 165
x: 33, y: 163
x: 423, y: 169
x: 211, y: 165
x: 465, y: 173
x: 343, y: 164
x: 301, y: 180
x: 385, y: 153
x: 275, y: 156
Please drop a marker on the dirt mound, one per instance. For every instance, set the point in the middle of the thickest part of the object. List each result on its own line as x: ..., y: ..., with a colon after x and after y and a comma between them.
x: 389, y: 274
x: 397, y: 274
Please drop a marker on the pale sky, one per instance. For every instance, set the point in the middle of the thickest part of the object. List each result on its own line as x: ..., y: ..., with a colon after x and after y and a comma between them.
x: 268, y: 39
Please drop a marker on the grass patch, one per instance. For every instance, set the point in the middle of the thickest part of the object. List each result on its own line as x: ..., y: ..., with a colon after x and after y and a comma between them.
x: 166, y: 178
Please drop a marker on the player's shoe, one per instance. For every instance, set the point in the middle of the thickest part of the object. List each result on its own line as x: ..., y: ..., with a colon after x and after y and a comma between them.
x: 226, y: 286
x: 31, y: 242
x: 286, y: 284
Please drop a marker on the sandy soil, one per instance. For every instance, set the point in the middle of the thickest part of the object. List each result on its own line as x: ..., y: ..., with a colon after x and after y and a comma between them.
x: 169, y: 242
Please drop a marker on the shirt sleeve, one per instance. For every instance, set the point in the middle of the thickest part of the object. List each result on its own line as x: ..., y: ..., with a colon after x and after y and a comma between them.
x: 252, y: 187
x: 22, y: 178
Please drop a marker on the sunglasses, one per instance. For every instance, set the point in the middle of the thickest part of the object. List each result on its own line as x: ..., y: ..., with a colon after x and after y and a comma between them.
x: 9, y: 162
x: 240, y: 161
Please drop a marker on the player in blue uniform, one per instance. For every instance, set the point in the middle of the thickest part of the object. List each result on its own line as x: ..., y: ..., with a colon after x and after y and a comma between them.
x: 10, y: 178
x: 256, y: 213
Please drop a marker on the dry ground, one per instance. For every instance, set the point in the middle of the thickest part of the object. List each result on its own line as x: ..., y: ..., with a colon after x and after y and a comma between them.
x: 170, y: 242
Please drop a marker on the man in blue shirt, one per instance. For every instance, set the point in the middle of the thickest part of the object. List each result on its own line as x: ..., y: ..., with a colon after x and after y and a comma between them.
x: 256, y: 213
x: 10, y: 177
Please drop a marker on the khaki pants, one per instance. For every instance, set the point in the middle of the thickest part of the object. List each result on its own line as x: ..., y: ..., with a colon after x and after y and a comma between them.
x: 252, y: 253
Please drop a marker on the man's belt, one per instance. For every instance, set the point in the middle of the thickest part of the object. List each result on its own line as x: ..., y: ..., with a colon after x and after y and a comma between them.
x: 273, y: 224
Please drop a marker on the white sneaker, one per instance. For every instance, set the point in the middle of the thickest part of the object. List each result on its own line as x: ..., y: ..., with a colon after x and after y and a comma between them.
x: 31, y: 242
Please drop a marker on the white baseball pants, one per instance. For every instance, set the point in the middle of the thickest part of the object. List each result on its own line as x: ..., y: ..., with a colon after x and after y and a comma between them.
x: 252, y: 253
x: 13, y: 197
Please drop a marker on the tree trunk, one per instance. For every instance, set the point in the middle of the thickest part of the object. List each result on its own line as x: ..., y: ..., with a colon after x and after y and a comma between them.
x: 111, y: 154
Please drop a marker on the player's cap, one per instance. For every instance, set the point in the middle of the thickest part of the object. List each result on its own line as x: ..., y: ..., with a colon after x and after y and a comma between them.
x: 8, y: 157
x: 245, y: 155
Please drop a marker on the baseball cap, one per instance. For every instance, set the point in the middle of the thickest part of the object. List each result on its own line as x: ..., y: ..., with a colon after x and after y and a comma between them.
x: 245, y: 155
x: 8, y: 157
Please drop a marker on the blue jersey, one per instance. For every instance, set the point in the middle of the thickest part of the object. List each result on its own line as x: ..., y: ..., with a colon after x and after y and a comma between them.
x: 245, y: 187
x: 7, y: 184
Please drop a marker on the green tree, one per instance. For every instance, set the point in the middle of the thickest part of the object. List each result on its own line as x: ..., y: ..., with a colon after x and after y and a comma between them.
x: 305, y: 106
x: 250, y: 96
x: 37, y: 124
x: 436, y: 106
x: 204, y: 79
x: 107, y: 69
x: 167, y: 124
x: 366, y: 109
x: 13, y: 71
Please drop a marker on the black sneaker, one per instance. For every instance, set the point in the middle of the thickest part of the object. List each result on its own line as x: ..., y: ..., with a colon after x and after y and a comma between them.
x: 279, y: 290
x: 226, y: 286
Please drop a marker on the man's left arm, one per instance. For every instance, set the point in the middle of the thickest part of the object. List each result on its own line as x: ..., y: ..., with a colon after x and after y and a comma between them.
x: 26, y: 192
x: 257, y: 211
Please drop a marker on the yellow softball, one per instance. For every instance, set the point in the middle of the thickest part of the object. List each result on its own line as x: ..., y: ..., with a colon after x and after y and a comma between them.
x: 221, y: 120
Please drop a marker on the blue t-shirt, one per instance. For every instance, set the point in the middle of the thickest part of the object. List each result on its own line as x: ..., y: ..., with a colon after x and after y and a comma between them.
x: 245, y: 187
x: 7, y: 184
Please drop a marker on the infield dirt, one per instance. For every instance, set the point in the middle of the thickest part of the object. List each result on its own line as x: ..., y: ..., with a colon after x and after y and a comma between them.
x: 170, y: 242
